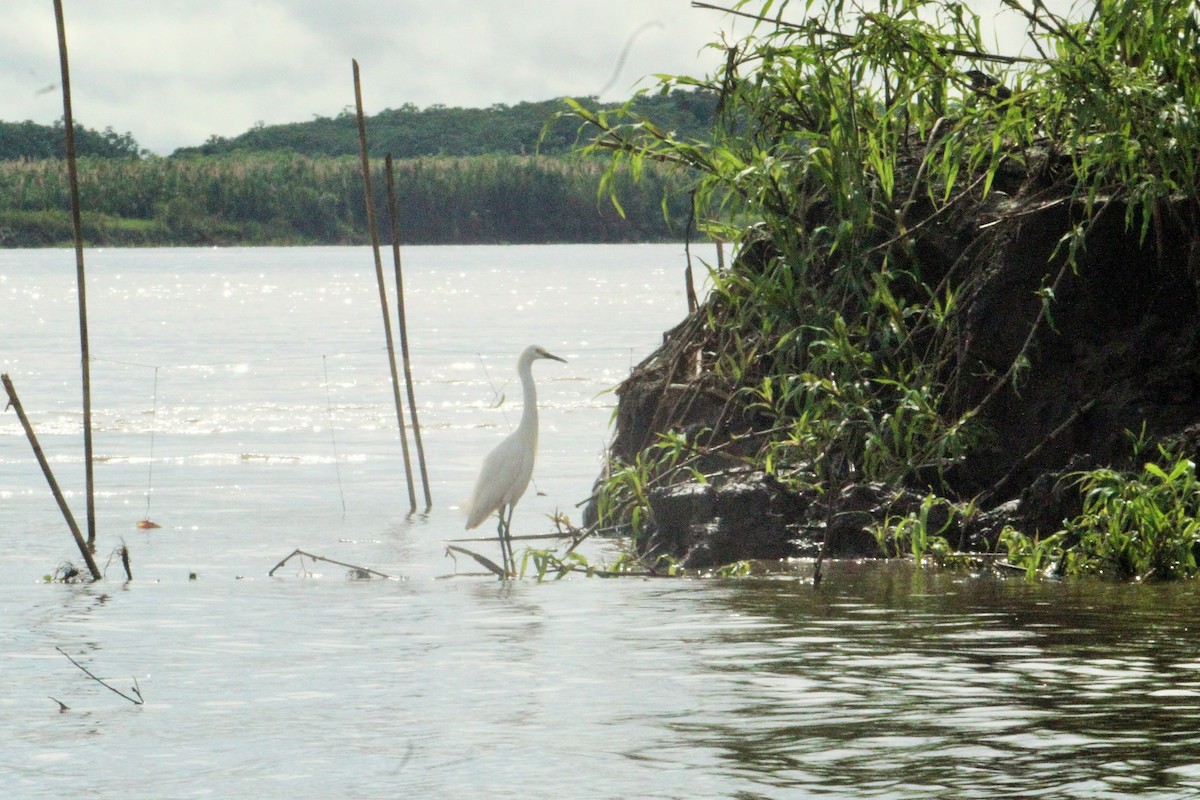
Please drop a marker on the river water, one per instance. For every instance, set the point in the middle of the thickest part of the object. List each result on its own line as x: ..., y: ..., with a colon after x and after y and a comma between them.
x: 242, y: 402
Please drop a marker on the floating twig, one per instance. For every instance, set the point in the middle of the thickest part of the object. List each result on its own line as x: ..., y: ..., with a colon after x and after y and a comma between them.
x: 135, y: 689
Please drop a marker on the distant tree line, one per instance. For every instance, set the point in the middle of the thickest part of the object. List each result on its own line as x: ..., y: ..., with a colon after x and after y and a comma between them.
x: 411, y: 132
x: 463, y: 176
x: 28, y: 140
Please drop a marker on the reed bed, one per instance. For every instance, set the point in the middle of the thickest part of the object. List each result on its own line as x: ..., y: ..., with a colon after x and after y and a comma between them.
x: 292, y: 199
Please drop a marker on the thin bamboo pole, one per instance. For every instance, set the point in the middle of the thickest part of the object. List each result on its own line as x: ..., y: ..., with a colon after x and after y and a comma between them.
x: 393, y: 216
x: 689, y: 284
x: 383, y: 304
x: 15, y: 403
x: 80, y: 283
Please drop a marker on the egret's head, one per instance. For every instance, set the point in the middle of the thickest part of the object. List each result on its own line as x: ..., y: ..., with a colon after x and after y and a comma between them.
x: 540, y: 352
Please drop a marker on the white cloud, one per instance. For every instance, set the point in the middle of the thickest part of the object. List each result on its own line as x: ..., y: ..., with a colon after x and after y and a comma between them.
x: 174, y: 72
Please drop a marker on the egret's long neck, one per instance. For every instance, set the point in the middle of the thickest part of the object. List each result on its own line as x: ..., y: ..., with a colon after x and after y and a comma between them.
x: 529, y: 414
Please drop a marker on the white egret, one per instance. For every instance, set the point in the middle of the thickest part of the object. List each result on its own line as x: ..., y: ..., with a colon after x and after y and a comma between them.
x: 506, y: 470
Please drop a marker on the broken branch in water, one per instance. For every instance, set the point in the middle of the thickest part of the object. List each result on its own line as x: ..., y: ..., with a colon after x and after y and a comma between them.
x: 122, y: 553
x: 359, y: 572
x: 15, y: 403
x: 137, y: 691
x: 483, y: 561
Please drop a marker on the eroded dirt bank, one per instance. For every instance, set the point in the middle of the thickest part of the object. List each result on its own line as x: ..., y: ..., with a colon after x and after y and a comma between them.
x: 1098, y: 356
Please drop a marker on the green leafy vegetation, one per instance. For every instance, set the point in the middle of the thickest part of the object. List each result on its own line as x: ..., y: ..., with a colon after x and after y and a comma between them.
x: 625, y: 492
x: 845, y: 145
x: 922, y: 533
x: 546, y: 564
x: 555, y: 564
x: 1141, y: 525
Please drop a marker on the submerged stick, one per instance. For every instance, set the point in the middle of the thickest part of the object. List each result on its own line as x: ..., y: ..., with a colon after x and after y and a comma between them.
x: 383, y: 304
x: 408, y: 381
x: 528, y: 538
x: 76, y: 221
x: 137, y: 691
x: 483, y: 561
x: 303, y: 554
x: 1050, y: 438
x: 15, y: 402
x: 122, y: 553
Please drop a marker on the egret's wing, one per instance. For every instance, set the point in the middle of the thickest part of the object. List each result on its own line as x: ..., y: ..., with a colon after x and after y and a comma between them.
x: 500, y: 469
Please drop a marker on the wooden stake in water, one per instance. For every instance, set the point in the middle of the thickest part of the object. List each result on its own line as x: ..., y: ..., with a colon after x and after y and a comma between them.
x: 387, y: 321
x: 15, y: 403
x: 84, y: 355
x: 393, y: 217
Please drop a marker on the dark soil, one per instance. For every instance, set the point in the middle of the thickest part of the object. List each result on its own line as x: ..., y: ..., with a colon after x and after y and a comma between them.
x: 1118, y: 354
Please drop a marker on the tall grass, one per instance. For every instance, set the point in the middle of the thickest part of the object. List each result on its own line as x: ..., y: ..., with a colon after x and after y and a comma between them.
x: 295, y: 199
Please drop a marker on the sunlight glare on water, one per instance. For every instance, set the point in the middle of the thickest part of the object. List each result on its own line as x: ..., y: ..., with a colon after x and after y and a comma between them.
x: 253, y: 382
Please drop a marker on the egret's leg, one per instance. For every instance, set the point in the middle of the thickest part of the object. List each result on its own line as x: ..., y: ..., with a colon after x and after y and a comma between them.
x: 503, y: 550
x: 508, y: 539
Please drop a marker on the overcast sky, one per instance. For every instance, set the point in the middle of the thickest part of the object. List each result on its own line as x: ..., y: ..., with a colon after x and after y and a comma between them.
x: 174, y: 72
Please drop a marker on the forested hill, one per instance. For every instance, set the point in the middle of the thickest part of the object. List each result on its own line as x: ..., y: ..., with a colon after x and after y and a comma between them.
x: 411, y: 132
x: 405, y: 132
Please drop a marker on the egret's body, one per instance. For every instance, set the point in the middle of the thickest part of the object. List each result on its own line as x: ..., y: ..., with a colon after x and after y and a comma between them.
x: 507, y: 470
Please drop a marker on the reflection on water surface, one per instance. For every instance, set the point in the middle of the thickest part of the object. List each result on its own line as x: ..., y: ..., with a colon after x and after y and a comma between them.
x: 890, y: 682
x: 882, y: 682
